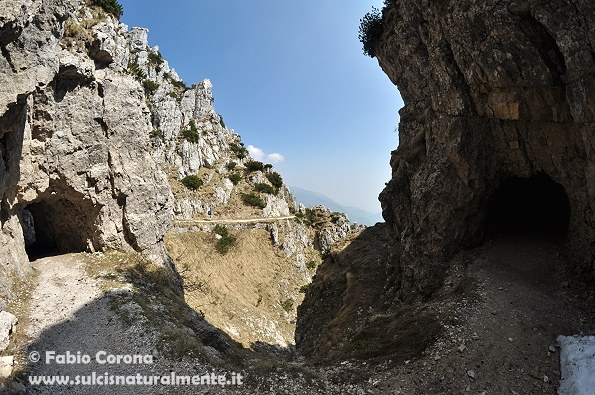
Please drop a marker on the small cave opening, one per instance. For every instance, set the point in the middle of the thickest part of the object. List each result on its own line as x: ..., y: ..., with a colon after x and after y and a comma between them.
x: 535, y: 205
x: 58, y: 225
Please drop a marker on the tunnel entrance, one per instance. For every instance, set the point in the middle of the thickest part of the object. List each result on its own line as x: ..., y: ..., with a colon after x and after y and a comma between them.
x: 57, y: 225
x: 528, y: 206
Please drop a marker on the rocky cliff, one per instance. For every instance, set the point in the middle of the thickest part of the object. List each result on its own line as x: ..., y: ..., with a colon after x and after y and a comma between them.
x: 496, y: 138
x: 498, y: 121
x: 89, y: 117
x: 74, y: 128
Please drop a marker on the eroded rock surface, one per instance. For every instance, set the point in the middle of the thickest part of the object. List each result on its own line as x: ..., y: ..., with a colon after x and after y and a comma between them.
x: 75, y: 172
x: 496, y: 139
x: 492, y: 91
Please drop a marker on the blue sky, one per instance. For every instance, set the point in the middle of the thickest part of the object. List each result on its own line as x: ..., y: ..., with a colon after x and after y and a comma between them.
x: 290, y: 78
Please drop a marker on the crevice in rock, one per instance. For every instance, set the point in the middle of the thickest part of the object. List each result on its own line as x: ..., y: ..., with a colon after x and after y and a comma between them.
x: 129, y: 236
x: 12, y: 125
x: 9, y: 33
x: 4, y: 151
x: 103, y: 126
x: 546, y: 45
x: 6, y: 56
x: 461, y: 81
x: 67, y: 80
x: 4, y: 212
x: 100, y: 90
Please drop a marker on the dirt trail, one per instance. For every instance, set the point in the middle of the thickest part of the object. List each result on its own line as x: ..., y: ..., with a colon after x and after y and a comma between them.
x: 62, y: 288
x: 71, y: 313
x: 503, y: 340
x: 233, y: 221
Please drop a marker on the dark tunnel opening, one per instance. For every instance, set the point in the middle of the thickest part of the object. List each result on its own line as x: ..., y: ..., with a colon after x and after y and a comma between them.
x: 528, y: 206
x: 57, y: 225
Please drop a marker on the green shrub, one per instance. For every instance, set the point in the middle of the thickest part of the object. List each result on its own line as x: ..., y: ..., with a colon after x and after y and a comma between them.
x: 191, y: 134
x: 304, y: 288
x: 275, y: 179
x: 238, y: 150
x: 220, y: 230
x: 226, y: 241
x: 224, y: 244
x: 231, y: 165
x: 287, y: 305
x: 111, y: 7
x: 192, y: 182
x: 156, y: 134
x: 235, y: 178
x: 254, y: 200
x: 155, y: 58
x: 135, y: 70
x: 150, y: 87
x: 265, y: 188
x: 311, y: 265
x: 311, y: 216
x: 178, y: 84
x: 268, y: 166
x: 370, y: 31
x: 254, y: 165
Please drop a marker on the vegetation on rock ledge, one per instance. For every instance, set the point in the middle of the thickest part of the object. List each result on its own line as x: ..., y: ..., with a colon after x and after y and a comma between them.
x: 111, y: 7
x: 370, y: 30
x: 254, y: 200
x: 192, y: 182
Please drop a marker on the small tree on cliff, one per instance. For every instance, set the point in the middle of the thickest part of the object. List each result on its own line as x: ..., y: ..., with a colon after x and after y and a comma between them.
x: 370, y: 30
x: 111, y: 7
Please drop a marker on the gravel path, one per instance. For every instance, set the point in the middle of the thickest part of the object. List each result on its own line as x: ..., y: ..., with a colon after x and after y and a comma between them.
x: 71, y: 314
x: 62, y: 289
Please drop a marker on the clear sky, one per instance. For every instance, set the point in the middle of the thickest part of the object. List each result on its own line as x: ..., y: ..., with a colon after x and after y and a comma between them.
x: 289, y: 77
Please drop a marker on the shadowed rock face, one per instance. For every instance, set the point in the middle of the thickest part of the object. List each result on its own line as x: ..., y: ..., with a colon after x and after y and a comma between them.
x: 494, y: 91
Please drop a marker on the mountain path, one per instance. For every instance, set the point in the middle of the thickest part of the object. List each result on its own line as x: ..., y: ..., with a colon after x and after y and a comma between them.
x: 234, y: 221
x: 62, y: 287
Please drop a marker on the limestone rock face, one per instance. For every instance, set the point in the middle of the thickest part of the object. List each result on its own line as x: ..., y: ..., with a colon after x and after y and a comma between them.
x: 75, y: 174
x: 493, y: 91
x: 330, y: 226
x: 7, y: 326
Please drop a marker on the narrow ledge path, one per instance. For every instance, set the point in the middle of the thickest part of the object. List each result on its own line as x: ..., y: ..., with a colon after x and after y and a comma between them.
x: 232, y: 221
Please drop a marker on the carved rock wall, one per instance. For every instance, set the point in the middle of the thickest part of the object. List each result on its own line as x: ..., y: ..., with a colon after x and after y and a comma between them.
x: 492, y: 90
x: 74, y: 170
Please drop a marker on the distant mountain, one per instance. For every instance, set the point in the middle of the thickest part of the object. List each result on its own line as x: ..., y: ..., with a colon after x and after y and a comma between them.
x: 311, y: 199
